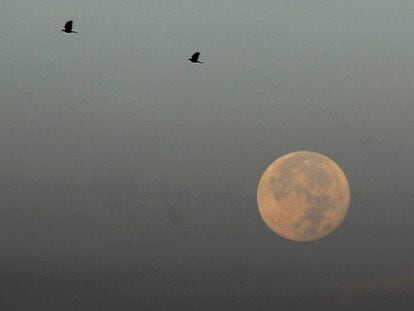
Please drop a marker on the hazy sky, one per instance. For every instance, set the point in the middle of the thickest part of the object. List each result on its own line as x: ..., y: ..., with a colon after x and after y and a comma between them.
x: 110, y: 134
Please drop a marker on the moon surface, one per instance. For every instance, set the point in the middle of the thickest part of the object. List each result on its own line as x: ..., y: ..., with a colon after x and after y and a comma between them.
x: 303, y: 196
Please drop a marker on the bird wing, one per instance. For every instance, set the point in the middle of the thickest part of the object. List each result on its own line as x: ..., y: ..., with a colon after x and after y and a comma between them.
x: 195, y: 56
x: 69, y: 25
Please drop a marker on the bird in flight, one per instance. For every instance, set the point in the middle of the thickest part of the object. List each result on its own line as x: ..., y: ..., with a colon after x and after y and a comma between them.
x: 68, y: 27
x: 194, y: 58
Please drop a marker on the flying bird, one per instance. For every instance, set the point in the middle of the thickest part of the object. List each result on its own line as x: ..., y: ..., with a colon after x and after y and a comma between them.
x: 194, y: 58
x: 68, y: 27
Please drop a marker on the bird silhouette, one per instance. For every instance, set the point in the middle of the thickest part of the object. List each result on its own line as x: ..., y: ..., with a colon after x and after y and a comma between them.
x: 194, y: 58
x: 68, y: 27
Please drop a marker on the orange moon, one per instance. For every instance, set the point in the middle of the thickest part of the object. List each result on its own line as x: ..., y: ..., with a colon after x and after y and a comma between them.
x: 303, y: 196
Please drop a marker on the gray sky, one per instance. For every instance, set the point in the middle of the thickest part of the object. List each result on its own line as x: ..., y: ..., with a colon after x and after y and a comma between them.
x: 107, y: 134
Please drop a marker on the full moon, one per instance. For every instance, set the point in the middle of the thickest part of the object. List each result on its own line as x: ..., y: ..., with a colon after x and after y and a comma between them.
x: 303, y: 196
